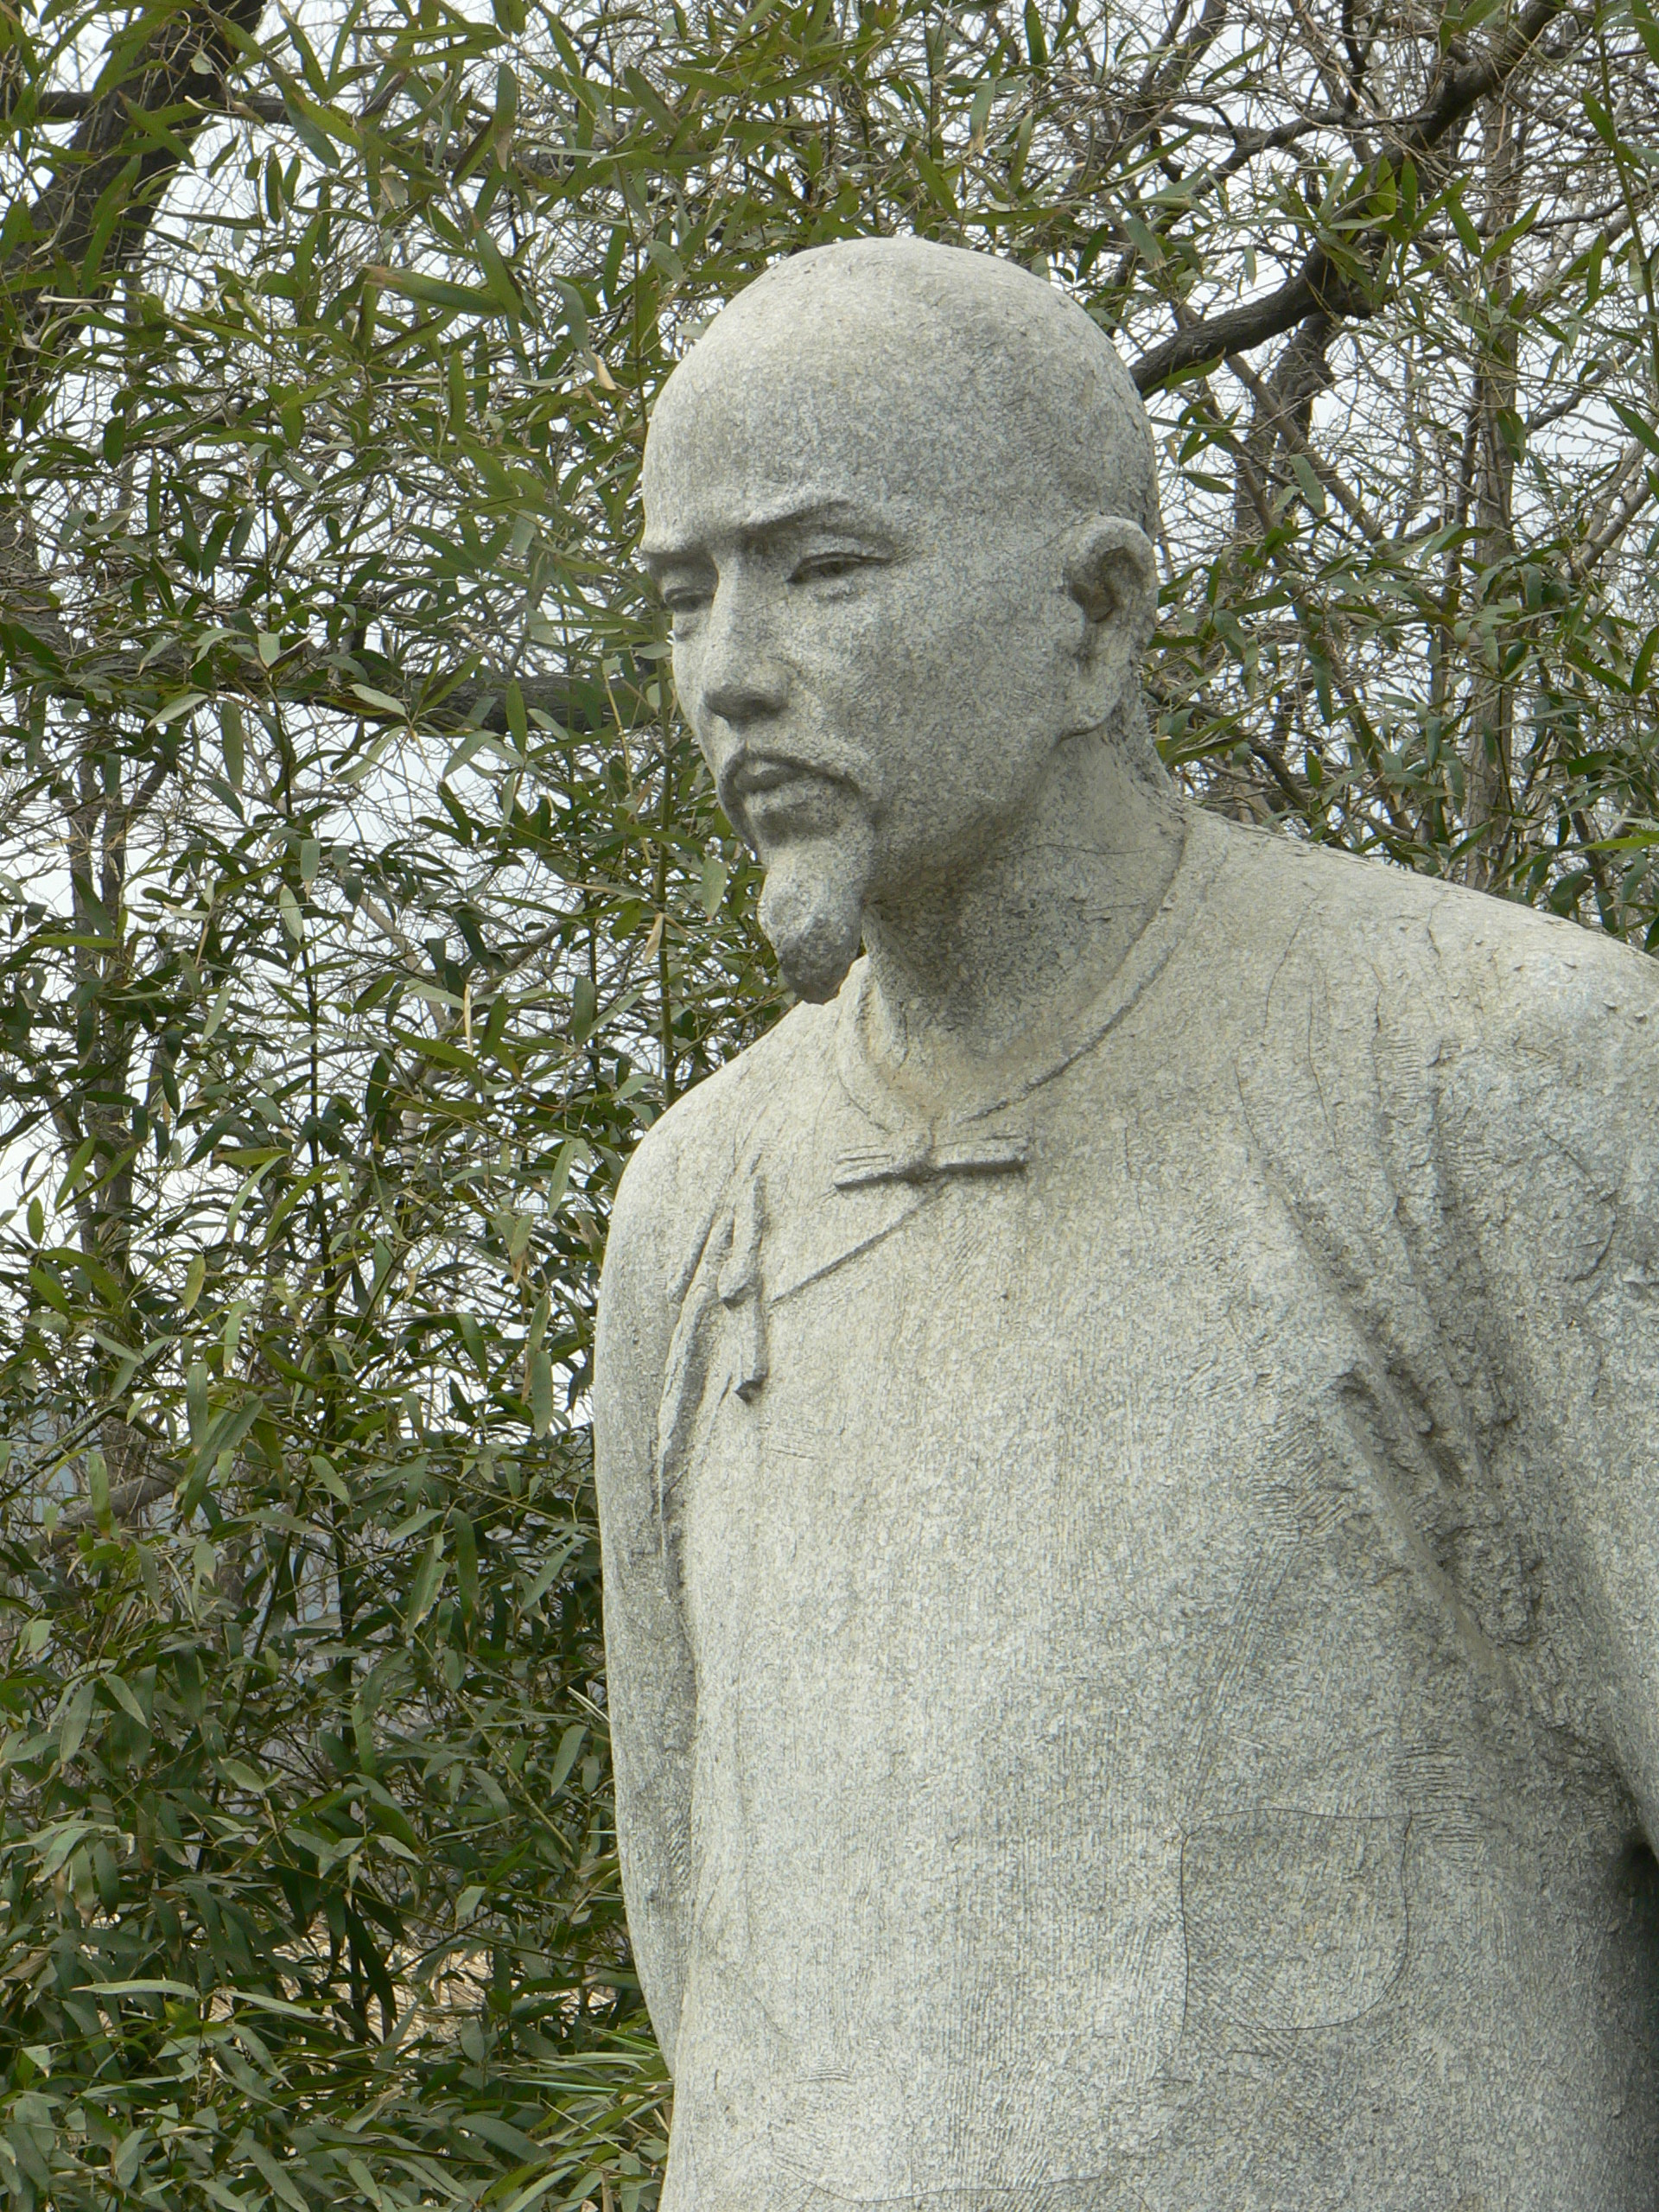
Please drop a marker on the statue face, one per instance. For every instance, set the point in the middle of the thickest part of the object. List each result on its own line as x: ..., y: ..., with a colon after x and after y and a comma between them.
x: 877, y: 653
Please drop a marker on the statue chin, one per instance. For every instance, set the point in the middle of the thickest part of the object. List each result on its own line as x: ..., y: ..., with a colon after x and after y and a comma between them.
x: 812, y: 909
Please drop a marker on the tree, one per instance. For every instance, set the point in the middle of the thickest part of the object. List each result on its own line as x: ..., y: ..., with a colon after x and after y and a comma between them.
x: 365, y: 897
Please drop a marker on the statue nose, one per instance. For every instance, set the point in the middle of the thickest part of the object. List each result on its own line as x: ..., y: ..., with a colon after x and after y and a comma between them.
x: 742, y: 677
x: 747, y: 689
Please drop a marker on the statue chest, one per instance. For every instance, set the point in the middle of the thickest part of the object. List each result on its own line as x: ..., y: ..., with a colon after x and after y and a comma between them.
x: 1048, y: 1543
x: 1036, y: 1597
x: 1048, y: 1468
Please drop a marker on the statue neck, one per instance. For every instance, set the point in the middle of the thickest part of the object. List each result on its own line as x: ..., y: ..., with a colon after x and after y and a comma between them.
x: 976, y: 973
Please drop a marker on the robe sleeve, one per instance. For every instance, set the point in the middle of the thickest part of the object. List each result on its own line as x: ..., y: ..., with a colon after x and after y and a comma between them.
x: 1552, y: 1109
x: 650, y: 1681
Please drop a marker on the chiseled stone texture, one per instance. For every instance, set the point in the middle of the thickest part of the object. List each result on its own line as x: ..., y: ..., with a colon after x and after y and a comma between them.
x: 1132, y: 1598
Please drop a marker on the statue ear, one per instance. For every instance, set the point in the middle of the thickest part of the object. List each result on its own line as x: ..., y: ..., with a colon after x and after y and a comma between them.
x: 1111, y: 571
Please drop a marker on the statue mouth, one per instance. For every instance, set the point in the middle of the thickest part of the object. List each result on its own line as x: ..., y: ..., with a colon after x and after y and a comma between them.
x: 764, y: 772
x: 775, y: 797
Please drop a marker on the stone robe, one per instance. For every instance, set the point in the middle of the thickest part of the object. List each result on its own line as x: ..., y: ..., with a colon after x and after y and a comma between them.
x: 1134, y: 1611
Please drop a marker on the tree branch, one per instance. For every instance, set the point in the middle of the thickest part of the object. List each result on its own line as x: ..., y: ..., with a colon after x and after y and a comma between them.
x: 59, y: 271
x: 1281, y: 420
x: 75, y: 107
x: 1614, y: 515
x: 1319, y: 287
x: 109, y: 684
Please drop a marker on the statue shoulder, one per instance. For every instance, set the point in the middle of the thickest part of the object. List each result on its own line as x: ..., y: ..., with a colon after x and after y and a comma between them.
x: 673, y: 1182
x: 1570, y: 1005
x: 1481, y: 973
x: 666, y: 1203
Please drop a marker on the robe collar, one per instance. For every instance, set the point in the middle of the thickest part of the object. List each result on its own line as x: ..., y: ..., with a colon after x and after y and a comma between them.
x: 989, y: 1132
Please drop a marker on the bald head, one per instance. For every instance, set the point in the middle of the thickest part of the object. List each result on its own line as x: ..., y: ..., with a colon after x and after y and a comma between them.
x: 978, y: 382
x: 899, y: 501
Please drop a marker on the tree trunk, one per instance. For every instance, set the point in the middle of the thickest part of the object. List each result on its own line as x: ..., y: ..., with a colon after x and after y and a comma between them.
x: 1489, y: 752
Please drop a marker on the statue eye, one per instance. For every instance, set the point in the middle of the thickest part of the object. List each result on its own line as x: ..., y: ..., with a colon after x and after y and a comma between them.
x: 683, y: 599
x: 826, y: 568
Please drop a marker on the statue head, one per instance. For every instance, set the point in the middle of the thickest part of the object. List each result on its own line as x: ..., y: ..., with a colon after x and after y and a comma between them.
x: 900, y: 500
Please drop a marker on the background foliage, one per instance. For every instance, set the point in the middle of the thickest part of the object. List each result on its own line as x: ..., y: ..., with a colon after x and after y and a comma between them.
x: 363, y: 898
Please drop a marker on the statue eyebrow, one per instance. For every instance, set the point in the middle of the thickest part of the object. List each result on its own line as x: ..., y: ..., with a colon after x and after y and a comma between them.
x: 791, y: 514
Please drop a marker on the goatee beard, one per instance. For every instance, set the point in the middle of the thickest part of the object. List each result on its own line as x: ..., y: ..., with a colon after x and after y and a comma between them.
x: 812, y: 909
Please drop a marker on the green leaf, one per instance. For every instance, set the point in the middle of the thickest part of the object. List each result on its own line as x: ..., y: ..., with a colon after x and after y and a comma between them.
x: 317, y: 126
x: 551, y: 1568
x: 541, y: 1391
x: 1642, y: 430
x: 196, y: 1401
x: 1461, y: 222
x: 1307, y: 483
x: 436, y: 291
x: 121, y: 1692
x: 465, y: 1563
x: 502, y: 284
x: 1647, y: 29
x: 140, y: 1987
x: 281, y: 2182
x: 382, y: 702
x: 428, y: 1580
x: 216, y: 1012
x: 128, y: 2157
x: 1144, y: 240
x: 473, y: 1338
x: 231, y: 737
x: 565, y: 1759
x: 73, y: 1722
x: 1602, y: 121
x: 176, y: 708
x: 80, y: 1159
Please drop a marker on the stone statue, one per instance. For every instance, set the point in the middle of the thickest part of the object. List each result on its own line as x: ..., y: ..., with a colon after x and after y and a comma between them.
x: 1128, y: 1424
